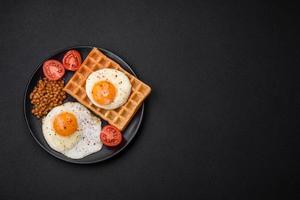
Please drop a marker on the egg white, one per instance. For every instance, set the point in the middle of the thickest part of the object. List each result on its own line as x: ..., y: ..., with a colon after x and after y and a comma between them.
x: 84, y: 141
x: 117, y: 78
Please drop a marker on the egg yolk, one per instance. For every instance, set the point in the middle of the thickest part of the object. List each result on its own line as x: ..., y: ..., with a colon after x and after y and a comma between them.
x: 104, y: 92
x: 65, y: 124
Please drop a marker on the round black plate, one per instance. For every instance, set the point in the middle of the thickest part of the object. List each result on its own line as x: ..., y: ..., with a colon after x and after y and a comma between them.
x: 35, y: 125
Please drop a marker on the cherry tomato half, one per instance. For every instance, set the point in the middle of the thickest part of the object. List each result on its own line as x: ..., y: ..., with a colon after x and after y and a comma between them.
x: 53, y: 69
x: 110, y: 136
x: 72, y: 60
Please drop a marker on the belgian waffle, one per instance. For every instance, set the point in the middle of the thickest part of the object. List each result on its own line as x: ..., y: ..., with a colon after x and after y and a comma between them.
x: 121, y: 116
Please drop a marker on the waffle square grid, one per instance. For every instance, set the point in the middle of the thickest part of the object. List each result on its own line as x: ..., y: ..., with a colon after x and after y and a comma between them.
x: 121, y: 116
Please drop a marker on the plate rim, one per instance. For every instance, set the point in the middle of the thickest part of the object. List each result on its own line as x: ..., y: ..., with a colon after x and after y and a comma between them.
x: 77, y: 161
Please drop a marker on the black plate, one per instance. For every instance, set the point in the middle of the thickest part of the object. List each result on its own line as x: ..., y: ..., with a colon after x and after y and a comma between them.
x: 35, y: 125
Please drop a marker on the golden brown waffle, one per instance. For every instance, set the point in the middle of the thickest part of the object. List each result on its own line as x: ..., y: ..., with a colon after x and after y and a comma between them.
x: 119, y: 117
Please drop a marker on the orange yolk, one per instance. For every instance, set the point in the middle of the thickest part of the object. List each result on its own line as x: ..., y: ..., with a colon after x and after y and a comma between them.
x: 65, y: 124
x: 104, y: 92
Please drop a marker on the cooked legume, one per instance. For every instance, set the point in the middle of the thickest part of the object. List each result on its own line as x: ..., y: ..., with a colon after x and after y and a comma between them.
x: 46, y: 95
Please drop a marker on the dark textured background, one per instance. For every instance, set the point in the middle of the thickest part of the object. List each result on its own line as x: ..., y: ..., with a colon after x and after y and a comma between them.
x: 221, y: 122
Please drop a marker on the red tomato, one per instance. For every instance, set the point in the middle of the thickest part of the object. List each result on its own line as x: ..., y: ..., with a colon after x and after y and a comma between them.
x: 110, y: 136
x: 72, y: 60
x: 53, y: 69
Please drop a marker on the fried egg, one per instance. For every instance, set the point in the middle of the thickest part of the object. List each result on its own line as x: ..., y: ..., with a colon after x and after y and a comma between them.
x: 72, y: 130
x: 108, y: 88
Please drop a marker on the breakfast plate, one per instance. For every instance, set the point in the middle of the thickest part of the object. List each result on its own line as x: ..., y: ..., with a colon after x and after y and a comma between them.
x: 126, y: 117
